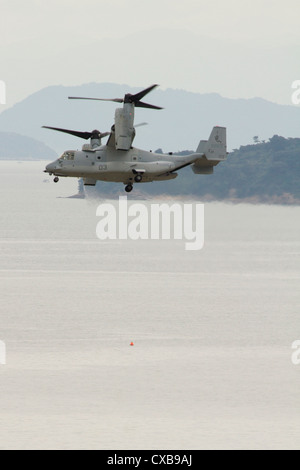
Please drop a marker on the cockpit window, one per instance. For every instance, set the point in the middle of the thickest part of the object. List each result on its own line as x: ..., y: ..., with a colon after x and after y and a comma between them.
x: 69, y: 155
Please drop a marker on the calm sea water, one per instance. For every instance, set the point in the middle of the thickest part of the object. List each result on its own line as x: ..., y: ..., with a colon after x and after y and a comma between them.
x: 212, y: 330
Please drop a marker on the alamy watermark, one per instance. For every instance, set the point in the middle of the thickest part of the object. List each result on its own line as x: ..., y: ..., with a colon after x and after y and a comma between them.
x: 296, y: 353
x: 2, y: 353
x: 144, y: 221
x: 296, y: 94
x: 2, y: 92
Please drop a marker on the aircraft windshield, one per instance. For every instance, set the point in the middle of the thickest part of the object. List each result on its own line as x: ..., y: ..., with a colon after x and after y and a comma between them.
x: 69, y: 155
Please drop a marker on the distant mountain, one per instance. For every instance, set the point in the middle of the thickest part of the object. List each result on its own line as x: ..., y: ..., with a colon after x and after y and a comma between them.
x: 186, y: 118
x: 19, y: 147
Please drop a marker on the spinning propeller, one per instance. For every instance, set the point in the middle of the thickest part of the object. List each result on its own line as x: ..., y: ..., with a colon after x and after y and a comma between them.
x: 128, y: 98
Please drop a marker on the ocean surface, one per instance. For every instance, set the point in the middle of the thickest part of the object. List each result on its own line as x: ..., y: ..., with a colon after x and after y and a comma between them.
x: 212, y: 329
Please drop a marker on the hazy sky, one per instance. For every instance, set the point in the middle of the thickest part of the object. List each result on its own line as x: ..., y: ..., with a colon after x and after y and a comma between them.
x: 237, y: 48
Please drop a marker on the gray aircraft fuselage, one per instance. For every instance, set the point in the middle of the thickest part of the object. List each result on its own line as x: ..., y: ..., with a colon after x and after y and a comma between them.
x: 108, y: 164
x: 118, y: 161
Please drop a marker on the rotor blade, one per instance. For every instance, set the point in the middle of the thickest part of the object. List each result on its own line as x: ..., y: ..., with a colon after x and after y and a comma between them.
x: 82, y: 135
x: 140, y: 104
x: 104, y: 134
x: 95, y: 134
x: 141, y: 124
x: 116, y: 100
x: 143, y: 93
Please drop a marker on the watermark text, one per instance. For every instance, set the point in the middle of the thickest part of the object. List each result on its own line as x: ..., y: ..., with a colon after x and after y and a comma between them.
x: 142, y: 221
x: 2, y: 353
x: 296, y: 353
x: 296, y: 93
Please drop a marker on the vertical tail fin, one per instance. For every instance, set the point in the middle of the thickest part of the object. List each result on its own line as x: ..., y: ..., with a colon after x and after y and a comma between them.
x: 215, y: 148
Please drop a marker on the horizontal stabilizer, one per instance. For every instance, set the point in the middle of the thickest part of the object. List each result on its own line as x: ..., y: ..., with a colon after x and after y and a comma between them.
x: 202, y: 170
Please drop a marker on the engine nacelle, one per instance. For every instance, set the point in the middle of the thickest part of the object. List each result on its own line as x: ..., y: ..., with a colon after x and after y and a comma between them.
x: 124, y: 130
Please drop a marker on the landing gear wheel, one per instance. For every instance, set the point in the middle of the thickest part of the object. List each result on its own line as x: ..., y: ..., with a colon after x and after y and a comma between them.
x: 56, y: 179
x: 128, y: 188
x: 138, y: 178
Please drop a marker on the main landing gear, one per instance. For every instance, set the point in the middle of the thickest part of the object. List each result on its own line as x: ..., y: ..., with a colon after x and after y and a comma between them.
x: 138, y: 175
x: 56, y: 179
x: 128, y: 188
x: 138, y: 178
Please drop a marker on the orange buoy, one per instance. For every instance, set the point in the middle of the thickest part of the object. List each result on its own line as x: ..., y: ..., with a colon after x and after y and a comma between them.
x: 131, y: 344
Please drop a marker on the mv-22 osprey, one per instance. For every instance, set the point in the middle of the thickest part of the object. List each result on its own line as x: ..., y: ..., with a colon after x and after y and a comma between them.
x: 118, y: 161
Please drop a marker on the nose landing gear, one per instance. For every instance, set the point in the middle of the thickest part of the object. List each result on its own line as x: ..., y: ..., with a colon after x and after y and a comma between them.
x: 56, y: 179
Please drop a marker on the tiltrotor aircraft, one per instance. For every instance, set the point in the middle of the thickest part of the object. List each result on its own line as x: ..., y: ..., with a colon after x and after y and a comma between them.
x: 119, y: 161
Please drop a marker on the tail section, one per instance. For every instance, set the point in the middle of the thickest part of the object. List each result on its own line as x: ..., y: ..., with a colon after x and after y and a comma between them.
x: 215, y: 148
x: 211, y: 152
x: 208, y: 154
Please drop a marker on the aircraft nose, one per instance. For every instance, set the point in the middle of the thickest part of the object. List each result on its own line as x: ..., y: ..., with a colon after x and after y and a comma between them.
x: 50, y: 168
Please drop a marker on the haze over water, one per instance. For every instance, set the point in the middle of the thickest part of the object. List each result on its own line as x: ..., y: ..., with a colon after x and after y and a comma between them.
x: 212, y: 330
